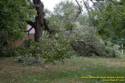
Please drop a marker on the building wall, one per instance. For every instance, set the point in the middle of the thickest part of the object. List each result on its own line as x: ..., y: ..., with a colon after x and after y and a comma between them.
x: 18, y: 43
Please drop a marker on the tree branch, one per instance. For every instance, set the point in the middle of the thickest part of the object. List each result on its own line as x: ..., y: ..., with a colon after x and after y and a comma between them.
x: 80, y: 10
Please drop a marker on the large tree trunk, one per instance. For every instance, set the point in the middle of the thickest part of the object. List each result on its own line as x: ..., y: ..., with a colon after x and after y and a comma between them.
x: 38, y: 30
x: 40, y: 23
x: 39, y: 19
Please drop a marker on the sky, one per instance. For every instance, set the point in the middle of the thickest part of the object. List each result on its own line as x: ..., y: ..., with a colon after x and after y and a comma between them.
x: 50, y: 4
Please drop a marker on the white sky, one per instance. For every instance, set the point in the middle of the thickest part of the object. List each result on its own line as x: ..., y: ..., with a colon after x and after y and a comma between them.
x: 50, y: 4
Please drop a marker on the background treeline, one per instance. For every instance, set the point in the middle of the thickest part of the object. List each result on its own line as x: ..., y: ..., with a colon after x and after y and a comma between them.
x: 98, y: 30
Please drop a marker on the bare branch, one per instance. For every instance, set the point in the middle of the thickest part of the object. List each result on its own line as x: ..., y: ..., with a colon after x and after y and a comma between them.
x: 80, y: 10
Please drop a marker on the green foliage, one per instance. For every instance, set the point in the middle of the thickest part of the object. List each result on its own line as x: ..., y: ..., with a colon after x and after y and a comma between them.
x: 112, y: 49
x: 110, y: 21
x: 85, y: 42
x: 66, y: 9
x: 13, y: 14
x: 48, y: 50
x: 56, y: 48
x: 109, y: 18
x: 64, y: 15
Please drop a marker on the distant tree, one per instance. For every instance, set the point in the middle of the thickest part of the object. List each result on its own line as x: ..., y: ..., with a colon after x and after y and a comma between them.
x: 64, y: 15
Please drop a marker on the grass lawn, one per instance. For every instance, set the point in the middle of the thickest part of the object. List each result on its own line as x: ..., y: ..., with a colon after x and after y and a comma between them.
x: 69, y: 72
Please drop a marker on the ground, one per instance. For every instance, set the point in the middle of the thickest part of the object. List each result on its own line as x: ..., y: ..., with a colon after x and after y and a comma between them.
x: 71, y: 71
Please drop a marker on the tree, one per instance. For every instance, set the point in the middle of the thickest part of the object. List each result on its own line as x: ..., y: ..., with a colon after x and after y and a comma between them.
x: 110, y: 21
x: 64, y: 16
x: 40, y: 22
x: 12, y: 19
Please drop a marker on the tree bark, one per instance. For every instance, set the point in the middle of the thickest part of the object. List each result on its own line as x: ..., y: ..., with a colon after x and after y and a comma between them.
x: 39, y: 19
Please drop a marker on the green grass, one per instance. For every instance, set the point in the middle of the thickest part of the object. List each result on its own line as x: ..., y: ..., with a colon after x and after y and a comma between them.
x: 68, y: 72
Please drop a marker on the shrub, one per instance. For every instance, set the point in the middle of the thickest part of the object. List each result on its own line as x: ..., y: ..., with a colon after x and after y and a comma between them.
x: 52, y: 49
x: 87, y: 43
